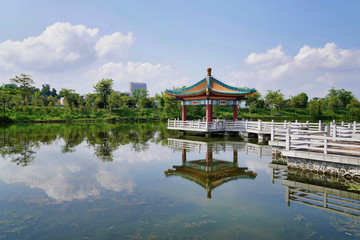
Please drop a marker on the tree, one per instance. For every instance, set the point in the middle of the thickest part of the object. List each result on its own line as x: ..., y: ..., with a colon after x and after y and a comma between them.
x: 253, y: 102
x: 274, y: 99
x: 25, y: 85
x: 53, y: 92
x: 70, y: 97
x: 114, y: 100
x: 315, y: 108
x: 36, y: 99
x: 353, y: 107
x: 103, y: 90
x: 45, y: 91
x: 5, y: 98
x: 339, y: 98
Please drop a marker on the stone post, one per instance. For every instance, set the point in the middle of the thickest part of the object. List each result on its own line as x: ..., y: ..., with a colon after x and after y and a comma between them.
x: 287, y: 137
x: 325, y: 143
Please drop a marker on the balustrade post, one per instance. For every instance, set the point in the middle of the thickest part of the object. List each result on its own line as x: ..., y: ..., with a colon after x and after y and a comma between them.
x: 207, y: 125
x: 285, y: 125
x: 334, y: 132
x: 327, y: 129
x: 320, y: 126
x: 287, y: 137
x: 199, y: 124
x: 354, y: 129
x: 308, y: 125
x: 246, y: 124
x: 342, y: 123
x: 259, y: 125
x: 272, y: 136
x: 325, y: 143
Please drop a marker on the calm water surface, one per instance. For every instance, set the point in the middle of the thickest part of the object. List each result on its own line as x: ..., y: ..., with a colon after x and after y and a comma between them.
x: 127, y: 181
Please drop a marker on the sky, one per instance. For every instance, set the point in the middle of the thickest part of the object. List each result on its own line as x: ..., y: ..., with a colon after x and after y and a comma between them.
x: 292, y: 46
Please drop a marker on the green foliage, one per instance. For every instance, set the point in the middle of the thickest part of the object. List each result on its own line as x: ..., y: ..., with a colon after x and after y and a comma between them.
x: 103, y: 90
x: 315, y: 108
x: 25, y: 86
x: 274, y: 99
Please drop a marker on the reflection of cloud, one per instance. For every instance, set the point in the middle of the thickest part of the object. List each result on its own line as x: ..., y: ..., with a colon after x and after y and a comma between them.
x: 68, y: 179
x: 115, y: 179
x: 82, y: 175
x: 256, y: 164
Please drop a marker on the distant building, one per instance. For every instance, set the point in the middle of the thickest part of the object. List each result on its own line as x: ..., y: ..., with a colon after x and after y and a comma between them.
x: 136, y: 85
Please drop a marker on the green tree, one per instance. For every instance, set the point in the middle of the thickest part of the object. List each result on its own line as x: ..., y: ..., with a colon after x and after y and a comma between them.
x: 53, y: 92
x: 274, y: 99
x: 103, y: 90
x: 253, y: 102
x: 70, y: 97
x: 114, y: 100
x: 315, y: 108
x: 5, y: 98
x: 36, y: 99
x: 25, y: 85
x: 45, y: 91
x: 353, y: 107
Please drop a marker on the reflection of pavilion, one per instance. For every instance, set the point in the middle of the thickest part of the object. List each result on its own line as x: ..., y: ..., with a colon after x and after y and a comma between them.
x: 332, y: 194
x: 209, y: 172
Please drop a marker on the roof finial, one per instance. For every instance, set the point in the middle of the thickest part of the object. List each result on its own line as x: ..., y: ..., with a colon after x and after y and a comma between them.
x: 209, y: 72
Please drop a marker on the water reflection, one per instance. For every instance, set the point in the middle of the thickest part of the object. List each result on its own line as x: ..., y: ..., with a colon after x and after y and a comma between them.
x: 62, y: 160
x: 208, y: 172
x: 334, y: 194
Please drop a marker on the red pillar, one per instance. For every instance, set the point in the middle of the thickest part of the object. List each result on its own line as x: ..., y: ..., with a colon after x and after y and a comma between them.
x: 183, y: 155
x: 209, y: 111
x: 209, y: 157
x: 183, y: 110
x: 236, y: 112
x: 235, y: 156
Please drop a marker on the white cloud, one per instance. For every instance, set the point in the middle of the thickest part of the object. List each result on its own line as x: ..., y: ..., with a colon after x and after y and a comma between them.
x: 62, y: 46
x: 122, y: 73
x: 60, y: 43
x: 115, y: 45
x: 312, y: 69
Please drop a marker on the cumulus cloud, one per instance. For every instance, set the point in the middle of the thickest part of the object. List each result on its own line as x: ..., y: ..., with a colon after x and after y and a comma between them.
x: 115, y: 45
x: 60, y: 46
x: 315, y: 67
x: 132, y: 71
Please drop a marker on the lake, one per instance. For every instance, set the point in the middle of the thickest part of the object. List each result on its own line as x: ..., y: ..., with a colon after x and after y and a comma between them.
x: 141, y: 181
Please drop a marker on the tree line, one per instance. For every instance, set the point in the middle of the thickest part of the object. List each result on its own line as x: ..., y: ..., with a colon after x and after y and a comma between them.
x: 21, y: 100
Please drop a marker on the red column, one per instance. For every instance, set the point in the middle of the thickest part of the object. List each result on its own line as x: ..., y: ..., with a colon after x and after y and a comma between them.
x: 235, y: 156
x: 236, y: 112
x: 183, y: 110
x: 209, y: 111
x: 183, y: 155
x: 209, y: 157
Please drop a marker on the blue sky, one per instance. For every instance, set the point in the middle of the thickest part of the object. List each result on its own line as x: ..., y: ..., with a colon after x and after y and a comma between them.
x: 295, y: 46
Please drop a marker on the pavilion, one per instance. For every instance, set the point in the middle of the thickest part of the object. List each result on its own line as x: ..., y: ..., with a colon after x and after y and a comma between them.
x: 210, y: 92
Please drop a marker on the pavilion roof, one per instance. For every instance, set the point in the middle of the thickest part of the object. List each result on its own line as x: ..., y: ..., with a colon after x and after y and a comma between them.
x: 211, y: 86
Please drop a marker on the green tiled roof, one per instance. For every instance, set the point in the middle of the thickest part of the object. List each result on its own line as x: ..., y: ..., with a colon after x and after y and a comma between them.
x: 238, y: 91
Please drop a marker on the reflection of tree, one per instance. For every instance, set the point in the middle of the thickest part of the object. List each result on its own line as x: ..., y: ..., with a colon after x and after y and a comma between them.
x: 18, y: 142
x: 20, y: 150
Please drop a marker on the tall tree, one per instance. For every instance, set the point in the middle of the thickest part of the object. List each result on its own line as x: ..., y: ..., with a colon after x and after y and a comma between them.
x: 5, y: 97
x: 103, y: 90
x: 70, y: 97
x: 274, y: 99
x: 45, y: 91
x: 25, y: 85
